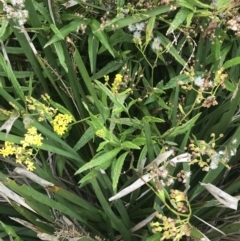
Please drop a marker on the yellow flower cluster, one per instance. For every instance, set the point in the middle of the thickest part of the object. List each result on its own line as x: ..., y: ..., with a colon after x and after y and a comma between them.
x: 44, y: 112
x: 101, y: 133
x: 23, y: 154
x: 8, y: 149
x: 173, y: 229
x: 60, y: 123
x: 106, y: 78
x: 220, y: 78
x: 116, y: 83
x: 32, y: 138
x: 205, y: 156
x: 179, y: 200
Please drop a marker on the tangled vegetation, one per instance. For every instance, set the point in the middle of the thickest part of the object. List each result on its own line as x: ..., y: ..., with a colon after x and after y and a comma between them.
x: 119, y: 120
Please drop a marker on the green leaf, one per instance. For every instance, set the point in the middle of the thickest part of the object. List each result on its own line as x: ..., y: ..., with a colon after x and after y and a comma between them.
x: 118, y: 37
x: 153, y: 119
x: 56, y: 31
x: 222, y: 4
x: 60, y: 54
x: 60, y: 162
x: 171, y: 49
x: 127, y: 121
x: 175, y: 131
x: 116, y: 169
x: 185, y: 4
x: 102, y: 145
x: 174, y: 81
x: 93, y: 44
x: 85, y: 138
x: 162, y: 103
x: 43, y: 199
x: 231, y: 228
x: 4, y: 24
x: 19, y: 74
x: 78, y: 61
x: 231, y: 62
x: 230, y: 86
x: 216, y: 50
x: 73, y: 26
x: 149, y: 29
x: 14, y: 50
x: 87, y: 178
x: 139, y: 141
x: 116, y: 222
x: 99, y: 160
x: 196, y: 234
x: 5, y: 31
x: 101, y: 36
x: 60, y: 108
x: 189, y: 19
x: 129, y: 145
x: 10, y: 231
x: 109, y: 68
x: 112, y: 96
x: 124, y: 22
x: 154, y: 237
x: 84, y: 239
x: 178, y: 20
x: 82, y: 204
x: 202, y: 5
x: 120, y: 3
x: 8, y: 70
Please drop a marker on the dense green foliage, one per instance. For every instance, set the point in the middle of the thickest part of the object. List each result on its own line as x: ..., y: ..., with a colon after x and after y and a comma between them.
x: 119, y: 120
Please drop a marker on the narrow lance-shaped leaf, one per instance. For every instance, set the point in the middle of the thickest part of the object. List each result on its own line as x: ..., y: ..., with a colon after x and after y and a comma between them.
x: 202, y: 5
x: 171, y: 49
x: 231, y: 62
x: 178, y: 20
x: 109, y: 68
x: 117, y: 167
x: 123, y: 22
x: 149, y: 29
x: 85, y: 138
x: 8, y: 70
x: 183, y: 128
x: 93, y: 44
x: 56, y: 31
x: 4, y: 24
x: 73, y: 26
x: 60, y: 54
x: 10, y: 231
x: 102, y: 37
x: 185, y: 4
x: 99, y: 160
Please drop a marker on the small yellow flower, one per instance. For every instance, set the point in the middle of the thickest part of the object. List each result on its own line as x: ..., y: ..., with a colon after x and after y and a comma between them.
x: 30, y: 165
x: 60, y: 123
x: 32, y: 138
x: 100, y: 133
x: 8, y: 149
x: 117, y: 82
x: 106, y: 78
x: 38, y: 140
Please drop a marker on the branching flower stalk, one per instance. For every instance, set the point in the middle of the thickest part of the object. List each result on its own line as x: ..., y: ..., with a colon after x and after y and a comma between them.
x: 171, y: 228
